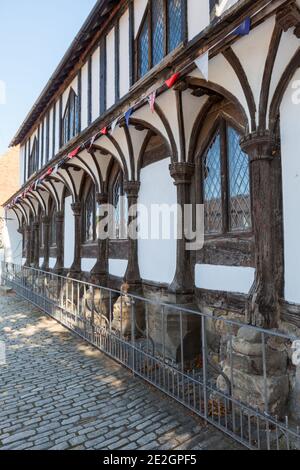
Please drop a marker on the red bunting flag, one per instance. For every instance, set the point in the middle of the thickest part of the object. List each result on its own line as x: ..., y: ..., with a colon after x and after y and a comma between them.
x: 104, y: 131
x: 172, y: 80
x: 49, y: 172
x: 74, y: 153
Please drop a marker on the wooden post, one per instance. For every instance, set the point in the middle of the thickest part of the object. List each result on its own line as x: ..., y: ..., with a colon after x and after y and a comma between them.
x: 262, y: 148
x: 36, y: 243
x: 59, y: 265
x: 100, y: 270
x: 183, y: 282
x: 28, y: 245
x: 46, y: 233
x: 75, y: 269
x: 132, y: 275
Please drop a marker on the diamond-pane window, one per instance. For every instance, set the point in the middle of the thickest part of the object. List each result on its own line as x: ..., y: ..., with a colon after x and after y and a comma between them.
x: 239, y: 183
x: 212, y: 187
x: 175, y: 23
x: 158, y: 31
x: 143, y: 49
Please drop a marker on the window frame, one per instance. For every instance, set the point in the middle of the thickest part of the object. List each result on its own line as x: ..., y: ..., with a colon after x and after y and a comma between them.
x: 220, y: 126
x: 148, y: 13
x: 33, y: 159
x: 118, y: 178
x: 73, y: 100
x: 52, y: 243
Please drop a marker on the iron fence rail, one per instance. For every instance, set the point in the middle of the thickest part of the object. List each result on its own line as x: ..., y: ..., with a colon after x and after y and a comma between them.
x: 168, y: 346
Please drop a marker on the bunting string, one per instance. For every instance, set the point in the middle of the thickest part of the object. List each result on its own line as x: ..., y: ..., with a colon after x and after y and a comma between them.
x: 201, y: 62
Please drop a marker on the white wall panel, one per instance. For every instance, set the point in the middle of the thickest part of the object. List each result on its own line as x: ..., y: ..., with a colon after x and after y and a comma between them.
x: 157, y: 258
x: 139, y: 10
x: 110, y: 69
x: 69, y: 239
x: 198, y: 16
x: 117, y: 267
x: 124, y: 53
x: 224, y: 278
x: 12, y: 239
x: 84, y: 96
x: 290, y: 131
x: 96, y: 84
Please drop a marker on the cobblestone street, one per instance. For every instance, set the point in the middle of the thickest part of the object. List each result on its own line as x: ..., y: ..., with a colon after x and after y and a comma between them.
x: 57, y: 392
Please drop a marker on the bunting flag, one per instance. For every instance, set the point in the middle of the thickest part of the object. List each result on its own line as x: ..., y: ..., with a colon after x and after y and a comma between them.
x: 127, y: 116
x: 244, y: 28
x: 172, y: 80
x: 74, y: 153
x: 104, y: 131
x: 92, y: 141
x: 151, y: 101
x: 55, y: 170
x: 202, y: 64
x: 49, y: 172
x: 114, y: 125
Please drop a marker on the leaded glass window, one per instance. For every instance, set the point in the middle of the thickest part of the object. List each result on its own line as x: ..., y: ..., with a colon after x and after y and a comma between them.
x: 160, y: 33
x: 226, y: 183
x: 33, y: 159
x: 212, y: 187
x: 71, y: 118
x: 175, y: 24
x: 239, y: 184
x: 89, y: 218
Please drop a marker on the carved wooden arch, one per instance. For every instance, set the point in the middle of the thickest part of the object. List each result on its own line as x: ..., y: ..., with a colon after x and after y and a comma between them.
x: 130, y: 151
x: 23, y: 211
x: 37, y: 197
x: 114, y: 163
x: 120, y: 158
x: 235, y: 63
x: 152, y: 131
x: 97, y: 179
x: 286, y: 77
x: 222, y: 92
x: 267, y: 76
x: 29, y: 203
x: 202, y: 120
x: 70, y: 185
x: 53, y: 194
x: 141, y: 159
x: 14, y: 209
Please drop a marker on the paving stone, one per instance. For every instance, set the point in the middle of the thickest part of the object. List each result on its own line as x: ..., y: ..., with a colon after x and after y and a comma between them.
x: 59, y: 393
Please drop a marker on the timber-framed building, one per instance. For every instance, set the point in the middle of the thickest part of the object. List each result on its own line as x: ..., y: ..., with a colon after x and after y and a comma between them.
x: 229, y: 142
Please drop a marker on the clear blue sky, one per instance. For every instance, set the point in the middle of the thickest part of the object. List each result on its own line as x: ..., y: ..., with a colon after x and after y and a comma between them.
x: 34, y: 35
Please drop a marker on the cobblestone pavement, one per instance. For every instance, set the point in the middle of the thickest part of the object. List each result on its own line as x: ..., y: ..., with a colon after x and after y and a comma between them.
x: 57, y: 392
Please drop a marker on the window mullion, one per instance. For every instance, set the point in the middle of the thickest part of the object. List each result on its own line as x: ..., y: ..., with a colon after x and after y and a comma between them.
x: 224, y: 178
x: 166, y: 30
x: 150, y: 61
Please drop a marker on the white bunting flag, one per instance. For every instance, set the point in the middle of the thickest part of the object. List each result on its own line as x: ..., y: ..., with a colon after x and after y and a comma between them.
x: 114, y: 124
x: 202, y: 64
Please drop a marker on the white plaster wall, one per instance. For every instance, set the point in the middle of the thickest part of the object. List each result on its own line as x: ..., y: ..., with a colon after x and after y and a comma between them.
x: 12, y: 239
x: 96, y: 84
x: 198, y: 16
x: 287, y: 48
x: 252, y: 50
x: 117, y: 267
x: 290, y: 131
x: 69, y: 234
x: 45, y: 140
x: 157, y: 258
x: 224, y: 278
x: 52, y: 263
x: 110, y: 68
x: 139, y: 10
x: 88, y: 264
x: 57, y: 124
x: 84, y: 96
x: 124, y: 53
x: 227, y: 79
x: 41, y: 261
x: 50, y: 135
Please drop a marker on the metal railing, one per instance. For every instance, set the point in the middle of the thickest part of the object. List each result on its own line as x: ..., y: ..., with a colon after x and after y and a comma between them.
x: 178, y: 350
